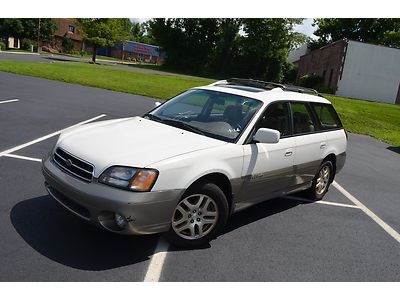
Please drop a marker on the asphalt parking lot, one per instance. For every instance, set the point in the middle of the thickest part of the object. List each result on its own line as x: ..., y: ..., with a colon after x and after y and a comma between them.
x: 352, y: 235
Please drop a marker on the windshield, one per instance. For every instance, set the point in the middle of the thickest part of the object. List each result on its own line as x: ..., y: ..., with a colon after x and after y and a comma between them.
x: 215, y: 114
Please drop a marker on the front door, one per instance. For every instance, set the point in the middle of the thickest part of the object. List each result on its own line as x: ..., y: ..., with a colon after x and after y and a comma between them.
x: 268, y: 168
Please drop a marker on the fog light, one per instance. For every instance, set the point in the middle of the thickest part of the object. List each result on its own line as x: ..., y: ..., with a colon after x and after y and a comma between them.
x: 119, y: 220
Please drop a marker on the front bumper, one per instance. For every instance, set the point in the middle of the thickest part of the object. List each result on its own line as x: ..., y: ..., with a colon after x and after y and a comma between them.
x: 145, y: 212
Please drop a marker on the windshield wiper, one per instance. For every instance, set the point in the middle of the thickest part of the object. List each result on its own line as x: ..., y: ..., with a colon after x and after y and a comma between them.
x: 153, y: 117
x: 175, y: 123
x: 184, y: 125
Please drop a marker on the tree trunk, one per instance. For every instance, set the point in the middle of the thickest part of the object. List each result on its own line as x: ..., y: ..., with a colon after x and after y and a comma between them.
x: 94, y: 54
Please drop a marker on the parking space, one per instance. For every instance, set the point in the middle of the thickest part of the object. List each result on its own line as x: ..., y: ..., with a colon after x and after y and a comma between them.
x: 286, y: 239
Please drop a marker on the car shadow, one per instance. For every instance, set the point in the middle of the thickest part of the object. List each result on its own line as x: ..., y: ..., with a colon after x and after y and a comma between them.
x: 62, y: 237
x: 261, y: 211
x: 62, y: 59
x: 394, y: 149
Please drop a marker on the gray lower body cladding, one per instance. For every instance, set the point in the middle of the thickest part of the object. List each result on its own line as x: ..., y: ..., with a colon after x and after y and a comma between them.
x: 146, y: 213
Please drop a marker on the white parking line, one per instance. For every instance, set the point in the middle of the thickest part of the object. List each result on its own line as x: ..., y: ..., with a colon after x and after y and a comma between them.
x: 8, y: 101
x: 22, y: 157
x: 157, y: 261
x: 322, y: 202
x: 393, y: 233
x: 16, y: 148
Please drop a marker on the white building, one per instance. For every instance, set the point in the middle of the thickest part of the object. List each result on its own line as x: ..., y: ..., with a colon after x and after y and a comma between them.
x: 371, y: 72
x: 356, y: 70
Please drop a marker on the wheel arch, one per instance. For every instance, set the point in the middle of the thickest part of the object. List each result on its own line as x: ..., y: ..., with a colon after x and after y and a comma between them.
x: 332, y: 158
x: 220, y: 180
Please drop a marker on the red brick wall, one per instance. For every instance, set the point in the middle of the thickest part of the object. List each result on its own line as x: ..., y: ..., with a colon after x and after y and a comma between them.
x: 62, y: 29
x: 325, y: 62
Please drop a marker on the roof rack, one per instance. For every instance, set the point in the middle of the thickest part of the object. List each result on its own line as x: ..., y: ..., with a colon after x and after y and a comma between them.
x: 266, y: 85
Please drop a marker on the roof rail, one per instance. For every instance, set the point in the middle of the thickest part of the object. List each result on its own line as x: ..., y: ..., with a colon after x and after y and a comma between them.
x: 266, y: 85
x: 301, y: 89
x: 255, y: 83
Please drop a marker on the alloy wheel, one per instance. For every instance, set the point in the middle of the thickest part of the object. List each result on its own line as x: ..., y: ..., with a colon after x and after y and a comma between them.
x: 195, y: 216
x: 323, y: 180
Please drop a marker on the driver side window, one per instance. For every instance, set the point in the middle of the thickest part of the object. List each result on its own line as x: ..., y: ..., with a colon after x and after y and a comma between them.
x: 277, y: 117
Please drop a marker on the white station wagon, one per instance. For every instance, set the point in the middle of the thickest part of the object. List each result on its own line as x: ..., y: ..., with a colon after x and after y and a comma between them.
x: 187, y: 165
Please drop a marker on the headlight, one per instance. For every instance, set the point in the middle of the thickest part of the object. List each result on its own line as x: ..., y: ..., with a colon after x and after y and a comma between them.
x: 140, y: 180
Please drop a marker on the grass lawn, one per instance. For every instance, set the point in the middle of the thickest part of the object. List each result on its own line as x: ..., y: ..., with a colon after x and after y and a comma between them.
x: 379, y: 120
x: 107, y: 77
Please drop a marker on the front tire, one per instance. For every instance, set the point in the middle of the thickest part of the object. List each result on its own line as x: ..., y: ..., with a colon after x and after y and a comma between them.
x: 199, y: 216
x: 321, y: 182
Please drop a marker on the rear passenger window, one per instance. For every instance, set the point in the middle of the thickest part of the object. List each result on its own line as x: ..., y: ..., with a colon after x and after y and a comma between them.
x: 326, y: 115
x: 277, y: 117
x: 302, y: 120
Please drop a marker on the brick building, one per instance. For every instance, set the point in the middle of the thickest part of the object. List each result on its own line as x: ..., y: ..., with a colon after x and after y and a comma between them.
x: 68, y: 28
x: 357, y: 70
x: 326, y: 62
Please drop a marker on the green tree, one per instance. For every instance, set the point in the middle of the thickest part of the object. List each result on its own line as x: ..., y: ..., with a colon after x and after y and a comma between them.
x: 265, y: 47
x: 384, y: 31
x: 187, y: 42
x: 255, y: 48
x: 11, y: 27
x: 103, y: 32
x: 28, y: 29
x: 226, y: 46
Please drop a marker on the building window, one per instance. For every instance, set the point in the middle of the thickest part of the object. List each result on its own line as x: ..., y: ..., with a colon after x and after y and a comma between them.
x: 71, y: 29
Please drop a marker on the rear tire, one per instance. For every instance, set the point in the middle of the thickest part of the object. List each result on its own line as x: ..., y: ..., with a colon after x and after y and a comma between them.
x: 321, y: 182
x: 199, y: 216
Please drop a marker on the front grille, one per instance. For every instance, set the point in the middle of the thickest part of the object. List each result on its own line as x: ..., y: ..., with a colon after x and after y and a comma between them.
x: 73, y: 165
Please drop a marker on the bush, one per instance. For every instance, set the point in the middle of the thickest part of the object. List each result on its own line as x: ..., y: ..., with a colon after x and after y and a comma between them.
x: 78, y: 52
x: 67, y: 44
x: 315, y: 82
x: 26, y: 44
x: 289, y: 73
x: 2, y: 45
x: 311, y: 81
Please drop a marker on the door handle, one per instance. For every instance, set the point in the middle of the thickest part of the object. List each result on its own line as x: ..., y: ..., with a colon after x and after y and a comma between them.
x: 322, y: 146
x: 288, y: 152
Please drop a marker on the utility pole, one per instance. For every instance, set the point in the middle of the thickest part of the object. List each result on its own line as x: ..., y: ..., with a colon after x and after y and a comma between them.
x: 38, y: 38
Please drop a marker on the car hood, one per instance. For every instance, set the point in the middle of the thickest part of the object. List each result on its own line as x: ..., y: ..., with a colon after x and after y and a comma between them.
x: 135, y: 142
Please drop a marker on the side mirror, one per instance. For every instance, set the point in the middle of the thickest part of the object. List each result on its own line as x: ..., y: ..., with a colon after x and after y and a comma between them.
x: 267, y: 136
x: 157, y: 104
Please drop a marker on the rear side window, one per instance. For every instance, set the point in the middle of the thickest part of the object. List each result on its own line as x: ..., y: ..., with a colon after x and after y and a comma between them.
x: 326, y: 115
x: 302, y: 118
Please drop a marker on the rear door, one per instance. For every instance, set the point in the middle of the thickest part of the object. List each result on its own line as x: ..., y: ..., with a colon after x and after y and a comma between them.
x: 310, y: 143
x: 268, y: 168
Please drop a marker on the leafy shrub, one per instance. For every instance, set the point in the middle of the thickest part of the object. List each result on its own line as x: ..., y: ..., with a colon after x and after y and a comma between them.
x: 26, y: 44
x: 289, y: 73
x: 315, y: 82
x: 311, y: 81
x: 2, y: 45
x: 67, y: 44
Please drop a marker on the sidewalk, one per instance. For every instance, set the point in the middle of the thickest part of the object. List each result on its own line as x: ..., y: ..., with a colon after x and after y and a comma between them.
x: 18, y: 52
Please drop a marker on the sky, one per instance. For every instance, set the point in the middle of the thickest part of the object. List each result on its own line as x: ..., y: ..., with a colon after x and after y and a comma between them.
x: 305, y: 28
